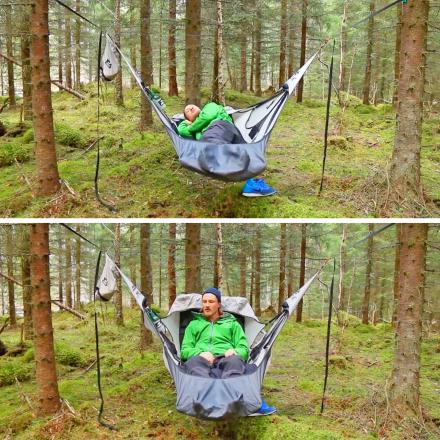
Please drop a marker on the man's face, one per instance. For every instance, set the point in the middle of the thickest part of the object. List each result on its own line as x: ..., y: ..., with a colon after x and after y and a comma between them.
x: 211, y: 306
x: 191, y: 112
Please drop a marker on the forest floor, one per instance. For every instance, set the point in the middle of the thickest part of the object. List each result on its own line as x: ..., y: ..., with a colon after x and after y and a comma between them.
x: 141, y: 176
x: 140, y: 397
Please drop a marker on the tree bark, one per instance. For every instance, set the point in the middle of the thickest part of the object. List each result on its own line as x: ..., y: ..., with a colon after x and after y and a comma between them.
x: 146, y: 338
x: 368, y: 64
x: 193, y: 281
x: 405, y: 377
x: 193, y: 67
x: 299, y: 97
x: 46, y: 376
x: 172, y: 63
x: 60, y: 269
x: 48, y: 180
x: 242, y: 258
x: 290, y: 261
x: 133, y: 58
x: 26, y: 282
x: 119, y: 313
x: 60, y: 46
x: 342, y: 270
x: 26, y: 71
x: 405, y: 163
x: 302, y: 269
x: 367, y: 288
x: 218, y: 265
x: 291, y: 40
x: 133, y: 266
x: 283, y: 43
x: 10, y: 53
x: 397, y: 55
x: 78, y: 47
x: 257, y: 272
x: 171, y: 263
x: 10, y: 269
x: 342, y: 68
x: 282, y: 274
x: 218, y: 93
x: 243, y: 49
x: 68, y: 269
x: 258, y: 45
x: 68, y: 48
x: 119, y: 96
x: 146, y: 63
x: 396, y: 291
x: 78, y: 270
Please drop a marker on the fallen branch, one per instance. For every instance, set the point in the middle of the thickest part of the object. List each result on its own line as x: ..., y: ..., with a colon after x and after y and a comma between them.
x: 11, y: 279
x: 92, y: 145
x: 70, y: 310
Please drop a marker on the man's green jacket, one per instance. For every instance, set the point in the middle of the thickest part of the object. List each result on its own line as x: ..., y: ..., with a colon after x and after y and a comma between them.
x: 211, y: 112
x: 202, y: 335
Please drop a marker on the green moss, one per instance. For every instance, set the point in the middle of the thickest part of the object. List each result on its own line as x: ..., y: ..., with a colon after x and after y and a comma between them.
x: 11, y: 368
x: 14, y: 151
x: 69, y: 356
x: 66, y: 135
x: 28, y: 136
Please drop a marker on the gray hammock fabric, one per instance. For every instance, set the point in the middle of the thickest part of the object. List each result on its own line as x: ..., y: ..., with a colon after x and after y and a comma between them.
x: 209, y: 398
x: 228, y: 162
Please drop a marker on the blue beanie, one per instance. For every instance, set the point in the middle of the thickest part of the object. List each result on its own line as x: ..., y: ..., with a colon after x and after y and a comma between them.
x: 214, y: 292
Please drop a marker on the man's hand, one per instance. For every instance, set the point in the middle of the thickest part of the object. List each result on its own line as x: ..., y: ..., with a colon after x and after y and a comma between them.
x: 230, y: 352
x: 208, y: 356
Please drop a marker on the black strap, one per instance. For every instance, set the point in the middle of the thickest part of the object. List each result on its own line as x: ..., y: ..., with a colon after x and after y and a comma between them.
x: 373, y: 14
x: 99, y: 71
x: 327, y: 117
x: 329, y: 323
x: 372, y: 234
x: 79, y: 235
x: 98, y: 360
x: 76, y: 13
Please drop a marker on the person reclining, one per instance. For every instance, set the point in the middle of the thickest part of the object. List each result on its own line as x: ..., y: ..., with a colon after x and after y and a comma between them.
x: 214, y: 125
x: 215, y: 345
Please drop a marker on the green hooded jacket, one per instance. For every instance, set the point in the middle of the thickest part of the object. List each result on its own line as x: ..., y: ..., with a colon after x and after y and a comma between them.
x: 217, y: 337
x: 211, y: 112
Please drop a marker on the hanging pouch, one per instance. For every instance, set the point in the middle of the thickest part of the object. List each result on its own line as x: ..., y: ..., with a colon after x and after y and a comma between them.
x: 109, y: 61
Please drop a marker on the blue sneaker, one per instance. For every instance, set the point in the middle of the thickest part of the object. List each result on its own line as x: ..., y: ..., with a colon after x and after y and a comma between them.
x: 264, y: 410
x: 257, y: 188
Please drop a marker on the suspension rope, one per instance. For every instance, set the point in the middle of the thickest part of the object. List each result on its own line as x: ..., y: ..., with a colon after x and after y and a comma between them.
x: 77, y: 13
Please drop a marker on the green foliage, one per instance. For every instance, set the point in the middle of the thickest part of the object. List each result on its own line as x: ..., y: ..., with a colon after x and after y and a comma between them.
x: 28, y: 136
x: 12, y: 151
x: 66, y: 135
x: 11, y: 368
x: 69, y: 356
x: 29, y: 355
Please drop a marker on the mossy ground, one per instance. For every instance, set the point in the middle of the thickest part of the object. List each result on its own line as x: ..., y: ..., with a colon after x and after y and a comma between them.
x: 140, y: 397
x: 141, y: 176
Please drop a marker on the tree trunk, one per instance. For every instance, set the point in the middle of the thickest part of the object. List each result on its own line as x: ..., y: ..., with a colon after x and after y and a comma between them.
x: 78, y: 270
x: 283, y: 43
x: 302, y: 269
x: 405, y: 377
x: 133, y: 266
x: 193, y: 281
x: 367, y: 78
x: 303, y: 48
x: 397, y: 54
x: 171, y: 263
x: 257, y: 272
x: 252, y: 70
x: 342, y: 306
x: 193, y: 67
x: 283, y: 280
x: 10, y: 53
x: 78, y: 47
x: 146, y: 63
x: 26, y: 71
x: 10, y: 268
x: 367, y: 289
x: 342, y: 69
x: 133, y: 58
x: 46, y: 376
x: 60, y: 45
x: 396, y: 291
x: 48, y: 180
x: 291, y: 40
x: 119, y: 96
x: 68, y: 269
x: 68, y: 48
x: 290, y: 261
x: 242, y: 257
x: 258, y: 45
x: 218, y: 264
x: 60, y: 269
x: 26, y: 282
x: 243, y: 49
x: 218, y: 93
x: 119, y: 314
x: 146, y: 338
x: 172, y: 63
x: 405, y: 163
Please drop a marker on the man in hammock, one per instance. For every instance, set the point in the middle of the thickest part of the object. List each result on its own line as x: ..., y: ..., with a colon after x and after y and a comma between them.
x: 215, y: 345
x: 213, y: 124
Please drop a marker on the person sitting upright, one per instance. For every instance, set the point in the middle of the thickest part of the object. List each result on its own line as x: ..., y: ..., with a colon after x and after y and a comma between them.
x: 214, y: 125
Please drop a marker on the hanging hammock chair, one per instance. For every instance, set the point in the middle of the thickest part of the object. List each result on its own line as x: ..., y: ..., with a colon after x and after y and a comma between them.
x: 228, y: 162
x: 208, y: 398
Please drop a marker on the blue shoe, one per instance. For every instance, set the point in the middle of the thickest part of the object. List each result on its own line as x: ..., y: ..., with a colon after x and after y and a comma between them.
x: 257, y: 188
x: 264, y: 410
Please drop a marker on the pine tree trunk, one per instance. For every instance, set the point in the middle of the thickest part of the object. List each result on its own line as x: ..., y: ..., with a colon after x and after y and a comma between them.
x: 172, y: 63
x: 10, y: 54
x: 283, y: 43
x: 68, y: 270
x: 257, y: 271
x: 243, y: 49
x: 397, y: 54
x: 291, y: 261
x: 405, y: 162
x: 146, y: 338
x: 242, y: 258
x: 46, y: 376
x: 302, y: 269
x: 10, y: 269
x: 258, y: 46
x: 119, y: 314
x: 68, y: 48
x: 367, y: 78
x: 218, y: 265
x: 342, y: 69
x: 396, y: 291
x: 193, y: 281
x: 161, y: 227
x: 405, y: 377
x: 282, y: 283
x: 291, y: 40
x: 60, y: 45
x: 193, y: 67
x: 26, y: 282
x: 26, y: 71
x: 133, y: 58
x: 146, y: 63
x: 133, y: 266
x: 303, y: 48
x: 78, y: 270
x: 218, y: 93
x: 342, y: 305
x: 252, y: 70
x: 119, y: 96
x: 171, y: 263
x: 367, y: 288
x: 48, y: 181
x: 60, y: 270
x: 78, y: 47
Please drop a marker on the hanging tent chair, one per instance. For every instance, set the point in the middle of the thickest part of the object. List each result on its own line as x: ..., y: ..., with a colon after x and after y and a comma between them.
x: 208, y: 398
x: 229, y: 162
